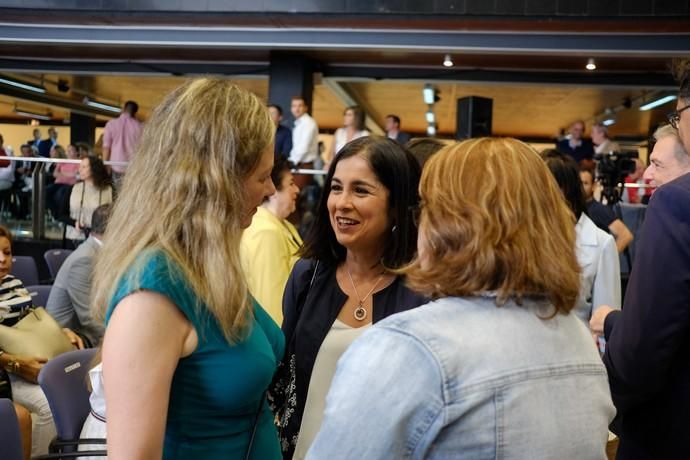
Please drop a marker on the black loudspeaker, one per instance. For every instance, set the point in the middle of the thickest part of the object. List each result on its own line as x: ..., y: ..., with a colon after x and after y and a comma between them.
x: 474, y: 117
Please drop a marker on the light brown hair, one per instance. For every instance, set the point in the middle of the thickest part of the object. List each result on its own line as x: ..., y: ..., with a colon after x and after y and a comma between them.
x: 183, y: 194
x: 493, y: 219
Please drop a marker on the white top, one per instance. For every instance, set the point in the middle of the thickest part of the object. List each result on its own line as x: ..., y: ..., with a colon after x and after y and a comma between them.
x: 94, y: 427
x: 340, y: 137
x: 305, y: 140
x: 334, y: 345
x: 83, y: 201
x: 601, y: 276
x: 607, y: 146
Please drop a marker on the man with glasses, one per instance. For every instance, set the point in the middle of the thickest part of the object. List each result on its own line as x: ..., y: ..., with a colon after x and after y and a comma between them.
x: 680, y: 118
x: 669, y: 160
x: 648, y: 342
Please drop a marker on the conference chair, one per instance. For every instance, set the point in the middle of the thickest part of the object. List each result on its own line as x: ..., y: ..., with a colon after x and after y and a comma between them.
x: 63, y: 380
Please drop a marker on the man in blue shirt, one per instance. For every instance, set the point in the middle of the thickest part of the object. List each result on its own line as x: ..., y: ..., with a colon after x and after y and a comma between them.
x: 574, y: 144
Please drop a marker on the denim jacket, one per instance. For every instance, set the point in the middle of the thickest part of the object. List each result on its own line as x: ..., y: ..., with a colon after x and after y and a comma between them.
x: 462, y: 378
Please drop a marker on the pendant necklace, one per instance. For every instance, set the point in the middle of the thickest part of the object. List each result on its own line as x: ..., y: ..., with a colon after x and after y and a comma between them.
x: 360, y: 312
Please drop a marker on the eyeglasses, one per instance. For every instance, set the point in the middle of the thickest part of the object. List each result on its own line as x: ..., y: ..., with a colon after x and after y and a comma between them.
x: 674, y: 117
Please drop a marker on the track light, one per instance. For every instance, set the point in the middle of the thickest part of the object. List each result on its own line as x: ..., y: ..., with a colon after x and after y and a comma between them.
x: 21, y: 85
x: 101, y: 105
x: 590, y: 64
x: 34, y: 115
x: 447, y: 61
x: 430, y: 117
x: 431, y: 130
x: 657, y: 102
x: 430, y: 94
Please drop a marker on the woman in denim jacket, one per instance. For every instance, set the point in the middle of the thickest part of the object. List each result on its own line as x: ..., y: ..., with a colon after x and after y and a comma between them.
x: 497, y: 366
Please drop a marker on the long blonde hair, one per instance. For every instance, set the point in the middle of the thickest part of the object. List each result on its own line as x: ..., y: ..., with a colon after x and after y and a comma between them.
x: 493, y: 218
x: 183, y: 194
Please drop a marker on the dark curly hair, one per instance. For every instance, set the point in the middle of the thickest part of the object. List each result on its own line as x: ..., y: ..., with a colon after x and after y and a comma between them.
x: 100, y: 176
x: 399, y: 172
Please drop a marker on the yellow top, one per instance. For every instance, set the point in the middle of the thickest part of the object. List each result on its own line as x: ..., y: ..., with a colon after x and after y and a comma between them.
x: 268, y: 250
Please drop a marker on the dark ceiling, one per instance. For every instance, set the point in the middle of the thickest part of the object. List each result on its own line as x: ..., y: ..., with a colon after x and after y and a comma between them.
x: 533, y: 68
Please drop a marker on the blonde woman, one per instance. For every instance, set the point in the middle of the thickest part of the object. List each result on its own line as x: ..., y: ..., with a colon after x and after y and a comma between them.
x: 497, y: 366
x: 187, y: 354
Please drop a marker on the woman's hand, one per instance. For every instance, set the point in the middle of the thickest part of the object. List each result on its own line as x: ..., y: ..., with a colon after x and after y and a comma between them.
x: 28, y: 367
x: 74, y: 338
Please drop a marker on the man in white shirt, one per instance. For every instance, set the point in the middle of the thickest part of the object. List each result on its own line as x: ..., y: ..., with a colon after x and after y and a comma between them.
x: 305, y: 140
x: 393, y: 130
x: 601, y: 141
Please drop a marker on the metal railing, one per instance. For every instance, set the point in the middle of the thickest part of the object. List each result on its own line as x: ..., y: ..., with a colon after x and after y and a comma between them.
x: 40, y: 173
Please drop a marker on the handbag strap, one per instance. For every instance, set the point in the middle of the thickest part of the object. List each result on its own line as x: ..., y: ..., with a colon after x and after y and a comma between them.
x: 256, y: 423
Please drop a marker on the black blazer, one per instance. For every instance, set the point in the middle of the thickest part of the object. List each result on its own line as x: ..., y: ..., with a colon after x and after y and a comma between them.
x: 309, y: 310
x: 648, y: 343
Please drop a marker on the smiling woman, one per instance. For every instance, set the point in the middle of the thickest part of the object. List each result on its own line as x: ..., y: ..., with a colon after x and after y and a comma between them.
x: 363, y: 229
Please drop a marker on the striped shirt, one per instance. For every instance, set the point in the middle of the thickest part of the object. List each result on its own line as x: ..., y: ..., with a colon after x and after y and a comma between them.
x: 14, y: 299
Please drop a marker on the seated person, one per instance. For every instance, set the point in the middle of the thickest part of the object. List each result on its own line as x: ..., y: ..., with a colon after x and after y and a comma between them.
x: 68, y: 302
x: 15, y: 302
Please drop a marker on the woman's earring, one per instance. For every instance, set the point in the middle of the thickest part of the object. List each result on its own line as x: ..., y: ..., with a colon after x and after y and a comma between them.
x: 394, y: 229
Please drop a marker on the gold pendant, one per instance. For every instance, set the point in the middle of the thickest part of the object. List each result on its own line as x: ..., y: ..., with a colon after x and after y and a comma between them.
x: 360, y: 312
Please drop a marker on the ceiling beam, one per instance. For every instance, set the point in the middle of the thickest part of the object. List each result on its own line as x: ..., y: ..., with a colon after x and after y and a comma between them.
x: 128, y: 67
x: 548, y: 43
x: 54, y: 101
x: 597, y: 79
x: 348, y: 99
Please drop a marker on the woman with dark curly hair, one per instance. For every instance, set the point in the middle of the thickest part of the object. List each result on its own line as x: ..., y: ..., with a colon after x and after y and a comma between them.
x: 93, y: 190
x: 345, y: 281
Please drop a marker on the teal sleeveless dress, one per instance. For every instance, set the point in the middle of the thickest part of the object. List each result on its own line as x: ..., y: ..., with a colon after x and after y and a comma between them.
x: 216, y: 391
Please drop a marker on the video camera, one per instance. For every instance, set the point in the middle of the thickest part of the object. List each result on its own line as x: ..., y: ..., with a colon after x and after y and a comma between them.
x: 612, y: 169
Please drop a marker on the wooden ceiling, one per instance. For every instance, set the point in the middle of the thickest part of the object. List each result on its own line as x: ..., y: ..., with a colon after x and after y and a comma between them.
x: 520, y: 110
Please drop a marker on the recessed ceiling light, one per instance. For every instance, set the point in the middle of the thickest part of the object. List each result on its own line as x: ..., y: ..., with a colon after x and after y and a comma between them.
x: 447, y: 61
x: 590, y: 64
